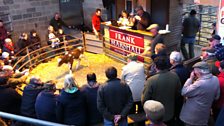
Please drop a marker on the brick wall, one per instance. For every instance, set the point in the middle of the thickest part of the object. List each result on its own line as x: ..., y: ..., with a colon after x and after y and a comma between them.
x: 29, y: 14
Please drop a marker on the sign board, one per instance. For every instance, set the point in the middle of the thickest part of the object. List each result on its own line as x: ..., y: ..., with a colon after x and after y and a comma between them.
x: 124, y: 42
x: 220, y: 21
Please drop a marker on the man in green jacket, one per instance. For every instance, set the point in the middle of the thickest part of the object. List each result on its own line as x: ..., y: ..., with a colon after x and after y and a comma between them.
x: 164, y: 87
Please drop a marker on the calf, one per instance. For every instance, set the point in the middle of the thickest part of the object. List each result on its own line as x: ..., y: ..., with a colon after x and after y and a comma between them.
x: 69, y: 57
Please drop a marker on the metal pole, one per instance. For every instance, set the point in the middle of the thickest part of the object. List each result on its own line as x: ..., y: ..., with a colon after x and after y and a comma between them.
x: 29, y: 120
x: 28, y: 54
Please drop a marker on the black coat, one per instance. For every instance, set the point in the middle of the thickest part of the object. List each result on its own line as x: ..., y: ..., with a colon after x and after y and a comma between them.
x: 30, y: 93
x: 94, y: 115
x: 10, y: 100
x: 114, y: 98
x: 71, y: 108
x: 57, y: 24
x: 45, y: 106
x: 182, y: 72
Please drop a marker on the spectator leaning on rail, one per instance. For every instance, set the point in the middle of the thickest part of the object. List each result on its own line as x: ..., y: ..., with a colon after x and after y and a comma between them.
x: 133, y: 75
x: 90, y: 91
x: 191, y: 26
x: 200, y: 90
x: 114, y: 99
x: 30, y: 94
x: 45, y: 105
x: 34, y: 38
x: 165, y: 87
x: 22, y: 43
x: 155, y: 112
x: 71, y: 106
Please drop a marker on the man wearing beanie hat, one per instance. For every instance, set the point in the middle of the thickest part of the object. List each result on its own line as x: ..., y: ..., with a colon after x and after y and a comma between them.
x: 200, y: 90
x: 143, y: 18
x: 155, y: 112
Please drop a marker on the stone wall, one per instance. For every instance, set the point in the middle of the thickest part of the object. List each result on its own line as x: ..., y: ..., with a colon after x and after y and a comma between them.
x: 29, y: 14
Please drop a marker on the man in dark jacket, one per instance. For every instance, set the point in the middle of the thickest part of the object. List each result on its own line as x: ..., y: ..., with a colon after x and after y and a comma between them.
x: 165, y: 87
x: 143, y: 18
x: 57, y: 23
x: 30, y: 93
x: 10, y: 99
x: 90, y: 91
x: 178, y: 67
x: 45, y: 105
x: 183, y: 74
x: 114, y: 99
x: 191, y: 26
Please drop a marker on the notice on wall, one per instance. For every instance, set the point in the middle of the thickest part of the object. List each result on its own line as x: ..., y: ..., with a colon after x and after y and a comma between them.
x: 125, y: 42
x: 220, y: 22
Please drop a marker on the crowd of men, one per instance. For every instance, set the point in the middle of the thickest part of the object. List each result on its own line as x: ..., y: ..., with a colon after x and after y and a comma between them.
x: 169, y: 93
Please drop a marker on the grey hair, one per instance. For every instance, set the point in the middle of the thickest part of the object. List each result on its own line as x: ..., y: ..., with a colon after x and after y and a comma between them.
x: 69, y: 81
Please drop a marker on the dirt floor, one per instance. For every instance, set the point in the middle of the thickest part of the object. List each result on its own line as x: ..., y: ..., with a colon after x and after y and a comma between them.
x: 97, y: 63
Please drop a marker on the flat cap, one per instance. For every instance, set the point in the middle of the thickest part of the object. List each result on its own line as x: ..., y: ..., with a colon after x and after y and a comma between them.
x: 201, y: 65
x: 132, y: 56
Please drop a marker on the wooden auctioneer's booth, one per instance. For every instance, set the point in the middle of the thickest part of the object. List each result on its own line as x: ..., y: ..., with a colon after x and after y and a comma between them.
x: 120, y: 41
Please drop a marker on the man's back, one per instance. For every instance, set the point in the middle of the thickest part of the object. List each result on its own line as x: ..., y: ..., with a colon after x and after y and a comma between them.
x: 114, y: 98
x: 191, y: 26
x: 163, y: 87
x: 133, y: 74
x: 200, y: 96
x: 29, y: 98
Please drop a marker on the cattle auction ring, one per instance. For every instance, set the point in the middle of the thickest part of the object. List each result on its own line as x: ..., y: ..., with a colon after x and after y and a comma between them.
x: 97, y: 64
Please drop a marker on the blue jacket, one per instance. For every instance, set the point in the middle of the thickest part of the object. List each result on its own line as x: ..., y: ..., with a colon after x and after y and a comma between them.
x: 220, y: 121
x: 30, y: 93
x: 182, y: 72
x: 45, y: 106
x: 71, y: 108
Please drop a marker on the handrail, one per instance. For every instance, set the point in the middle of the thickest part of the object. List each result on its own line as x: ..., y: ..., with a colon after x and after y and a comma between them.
x: 41, y: 49
x: 26, y: 47
x: 28, y: 119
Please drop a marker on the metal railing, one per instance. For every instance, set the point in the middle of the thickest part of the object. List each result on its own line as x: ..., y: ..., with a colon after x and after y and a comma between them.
x: 28, y: 120
x: 32, y: 58
x: 207, y: 16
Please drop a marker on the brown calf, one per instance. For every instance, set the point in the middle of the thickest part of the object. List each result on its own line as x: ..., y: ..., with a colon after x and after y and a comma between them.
x: 69, y: 57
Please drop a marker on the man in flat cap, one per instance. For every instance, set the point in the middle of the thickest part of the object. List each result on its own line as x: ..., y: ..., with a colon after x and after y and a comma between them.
x: 133, y: 75
x: 200, y: 90
x: 142, y: 19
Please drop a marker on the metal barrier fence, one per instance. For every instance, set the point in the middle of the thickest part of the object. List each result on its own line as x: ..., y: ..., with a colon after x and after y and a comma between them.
x: 207, y: 16
x: 28, y: 120
x: 34, y: 57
